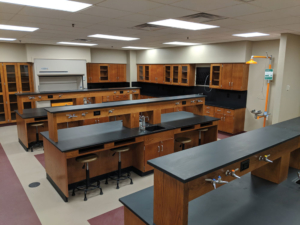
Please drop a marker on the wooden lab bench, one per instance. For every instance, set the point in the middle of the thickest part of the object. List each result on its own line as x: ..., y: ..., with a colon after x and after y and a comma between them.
x: 180, y: 186
x: 26, y: 117
x: 63, y: 172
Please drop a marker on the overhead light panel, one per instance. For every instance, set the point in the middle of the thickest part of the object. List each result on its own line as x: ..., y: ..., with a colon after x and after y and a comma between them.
x: 75, y: 43
x: 104, y: 36
x: 133, y: 47
x: 253, y: 34
x: 17, y: 28
x: 7, y: 39
x: 183, y: 24
x: 63, y: 5
x: 180, y: 43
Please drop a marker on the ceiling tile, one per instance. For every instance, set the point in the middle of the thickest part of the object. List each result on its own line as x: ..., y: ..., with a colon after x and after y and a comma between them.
x: 168, y: 11
x: 166, y: 2
x: 91, y: 19
x: 130, y: 5
x: 10, y: 8
x: 47, y: 13
x: 258, y: 17
x: 6, y: 16
x: 275, y: 4
x: 292, y: 11
x: 205, y: 5
x: 104, y: 12
x: 238, y: 10
x: 140, y: 18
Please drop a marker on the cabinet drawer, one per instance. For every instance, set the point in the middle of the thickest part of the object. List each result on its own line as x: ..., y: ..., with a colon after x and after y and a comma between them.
x: 209, y: 112
x: 117, y: 97
x: 124, y: 97
x: 219, y: 110
x: 228, y: 112
x: 107, y: 98
x: 212, y: 108
x: 152, y: 138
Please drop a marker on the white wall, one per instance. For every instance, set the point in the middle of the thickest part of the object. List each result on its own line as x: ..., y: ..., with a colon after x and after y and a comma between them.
x: 12, y: 52
x: 257, y: 86
x: 214, y: 53
x: 108, y: 56
x: 56, y: 52
x: 287, y: 104
x: 131, y: 69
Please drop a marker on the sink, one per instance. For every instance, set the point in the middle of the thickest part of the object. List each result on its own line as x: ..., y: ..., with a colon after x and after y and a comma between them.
x: 154, y: 128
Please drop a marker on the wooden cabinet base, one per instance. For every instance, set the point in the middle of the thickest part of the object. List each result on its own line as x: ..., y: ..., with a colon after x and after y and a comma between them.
x: 131, y: 219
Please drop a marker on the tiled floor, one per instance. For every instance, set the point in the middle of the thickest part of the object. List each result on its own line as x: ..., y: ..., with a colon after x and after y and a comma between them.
x: 21, y: 204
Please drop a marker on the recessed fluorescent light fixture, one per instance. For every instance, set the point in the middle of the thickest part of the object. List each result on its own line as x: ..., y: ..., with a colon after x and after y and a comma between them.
x: 182, y: 24
x: 132, y: 47
x: 63, y: 5
x: 104, y: 36
x: 75, y: 43
x: 7, y: 39
x: 254, y: 34
x: 180, y: 43
x: 17, y: 28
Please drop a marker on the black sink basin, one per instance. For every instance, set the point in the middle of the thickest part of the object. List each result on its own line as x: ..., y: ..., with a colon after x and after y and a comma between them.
x: 154, y: 128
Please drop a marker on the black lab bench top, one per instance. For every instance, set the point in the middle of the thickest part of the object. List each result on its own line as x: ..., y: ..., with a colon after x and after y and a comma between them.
x: 119, y: 103
x: 198, y: 161
x: 247, y: 201
x: 92, y: 135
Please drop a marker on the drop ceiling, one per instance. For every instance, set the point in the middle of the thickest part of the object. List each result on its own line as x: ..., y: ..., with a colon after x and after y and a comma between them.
x: 118, y: 17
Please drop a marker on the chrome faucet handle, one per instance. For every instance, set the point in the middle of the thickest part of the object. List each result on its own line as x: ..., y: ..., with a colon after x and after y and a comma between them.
x: 70, y: 116
x: 193, y: 101
x: 213, y: 181
x: 199, y: 100
x: 265, y: 158
x: 220, y: 181
x: 40, y: 97
x: 30, y: 98
x: 111, y: 111
x: 60, y: 95
x: 84, y: 114
x: 232, y: 173
x: 177, y: 103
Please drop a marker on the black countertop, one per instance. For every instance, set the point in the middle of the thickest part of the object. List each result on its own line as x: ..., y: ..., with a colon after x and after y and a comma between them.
x: 198, y: 161
x: 84, y: 90
x: 32, y: 113
x: 249, y: 200
x: 119, y: 103
x: 224, y: 105
x: 98, y: 134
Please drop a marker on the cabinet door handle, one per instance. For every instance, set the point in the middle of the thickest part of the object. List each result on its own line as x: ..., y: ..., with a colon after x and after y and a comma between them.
x: 158, y: 148
x: 231, y: 84
x: 95, y: 121
x: 162, y: 148
x: 219, y: 110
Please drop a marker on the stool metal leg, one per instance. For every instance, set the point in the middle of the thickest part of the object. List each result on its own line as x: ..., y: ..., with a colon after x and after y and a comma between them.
x: 183, y: 146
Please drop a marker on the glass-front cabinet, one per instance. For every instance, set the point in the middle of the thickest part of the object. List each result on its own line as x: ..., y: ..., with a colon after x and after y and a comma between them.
x: 184, y: 75
x: 168, y: 74
x: 2, y: 98
x: 141, y: 73
x: 147, y: 73
x: 176, y: 79
x: 16, y: 78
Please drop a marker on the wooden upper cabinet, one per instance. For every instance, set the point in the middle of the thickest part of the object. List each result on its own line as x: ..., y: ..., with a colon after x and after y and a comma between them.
x: 232, y: 76
x: 168, y: 74
x: 99, y: 73
x: 141, y: 73
x: 240, y: 73
x: 176, y: 74
x: 3, y: 110
x: 147, y: 70
x: 215, y: 75
x: 226, y: 76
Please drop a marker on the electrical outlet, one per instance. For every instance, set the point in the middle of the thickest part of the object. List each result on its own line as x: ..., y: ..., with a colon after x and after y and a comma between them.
x: 245, y: 165
x: 288, y: 87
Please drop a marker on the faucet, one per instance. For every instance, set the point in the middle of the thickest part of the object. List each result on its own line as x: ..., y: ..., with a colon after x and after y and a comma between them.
x: 218, y: 181
x: 232, y: 173
x: 265, y: 158
x: 143, y: 125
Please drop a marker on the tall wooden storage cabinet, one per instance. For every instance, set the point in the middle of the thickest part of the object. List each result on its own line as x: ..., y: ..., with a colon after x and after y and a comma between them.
x: 15, y: 78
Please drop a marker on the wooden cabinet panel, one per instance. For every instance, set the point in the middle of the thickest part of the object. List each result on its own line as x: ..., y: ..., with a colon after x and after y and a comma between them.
x: 167, y: 147
x: 107, y: 98
x: 219, y: 110
x: 228, y: 125
x: 147, y: 70
x: 184, y: 74
x: 221, y: 122
x: 240, y: 77
x: 3, y: 110
x: 168, y: 71
x: 209, y: 111
x: 121, y: 73
x: 140, y: 70
x: 226, y: 76
x: 215, y: 75
x: 151, y: 152
x: 159, y: 74
x: 113, y: 73
x: 99, y: 73
x: 228, y: 112
x: 176, y: 75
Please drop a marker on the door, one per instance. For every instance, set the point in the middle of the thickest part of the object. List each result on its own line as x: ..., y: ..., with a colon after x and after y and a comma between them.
x: 25, y: 81
x: 226, y: 76
x: 168, y: 75
x: 11, y: 79
x: 176, y: 78
x: 184, y: 75
x: 228, y: 124
x: 238, y: 73
x: 104, y: 73
x: 152, y: 151
x: 113, y: 73
x: 167, y: 147
x: 215, y: 75
x: 140, y: 71
x: 3, y: 111
x: 221, y: 121
x: 121, y: 73
x: 147, y: 73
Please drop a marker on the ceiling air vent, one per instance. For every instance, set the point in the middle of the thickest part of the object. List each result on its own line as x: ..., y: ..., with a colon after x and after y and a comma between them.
x: 202, y: 17
x: 148, y: 27
x: 82, y: 40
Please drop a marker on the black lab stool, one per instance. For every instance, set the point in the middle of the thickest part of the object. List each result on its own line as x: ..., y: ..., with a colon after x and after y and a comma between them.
x: 86, y: 159
x: 37, y: 142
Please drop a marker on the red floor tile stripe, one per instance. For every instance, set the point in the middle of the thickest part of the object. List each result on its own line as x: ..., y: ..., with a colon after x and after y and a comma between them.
x: 41, y: 159
x: 113, y: 217
x: 15, y: 207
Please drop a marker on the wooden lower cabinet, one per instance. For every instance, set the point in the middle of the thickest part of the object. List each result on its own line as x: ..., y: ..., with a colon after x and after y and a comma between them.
x: 156, y: 150
x: 95, y: 121
x: 231, y: 121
